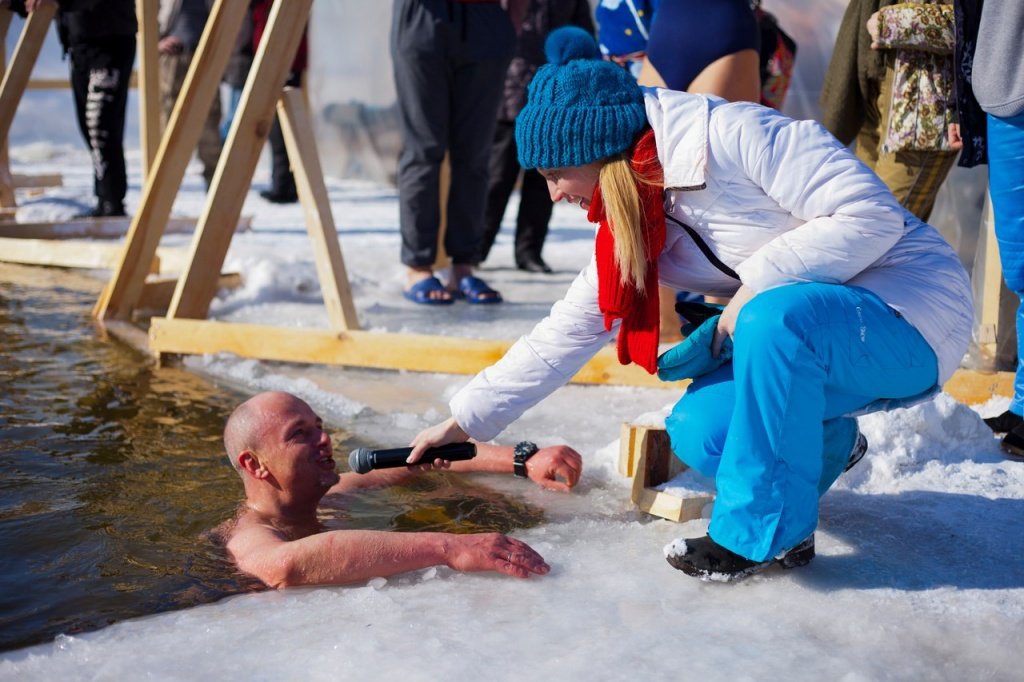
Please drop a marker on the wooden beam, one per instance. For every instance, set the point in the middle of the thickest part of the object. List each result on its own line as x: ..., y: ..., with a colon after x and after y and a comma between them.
x: 16, y: 78
x: 149, y: 82
x: 76, y: 254
x: 380, y: 350
x: 38, y: 180
x: 202, y: 84
x: 241, y: 152
x: 309, y: 181
x: 7, y: 200
x: 96, y: 228
x: 158, y: 290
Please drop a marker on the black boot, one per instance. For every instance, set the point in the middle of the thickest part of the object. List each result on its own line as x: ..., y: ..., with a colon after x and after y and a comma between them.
x: 860, y: 448
x: 1005, y: 422
x: 706, y: 559
x: 104, y: 209
x: 1013, y: 442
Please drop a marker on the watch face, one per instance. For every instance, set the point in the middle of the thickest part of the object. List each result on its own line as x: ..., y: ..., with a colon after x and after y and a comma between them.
x: 524, y: 450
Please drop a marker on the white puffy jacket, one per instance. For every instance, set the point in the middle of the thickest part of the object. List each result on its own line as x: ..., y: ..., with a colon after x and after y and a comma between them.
x: 779, y: 201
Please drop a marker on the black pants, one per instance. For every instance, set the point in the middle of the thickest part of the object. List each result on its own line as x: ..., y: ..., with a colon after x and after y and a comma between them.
x: 535, y: 205
x: 449, y: 64
x: 282, y: 181
x: 100, y: 75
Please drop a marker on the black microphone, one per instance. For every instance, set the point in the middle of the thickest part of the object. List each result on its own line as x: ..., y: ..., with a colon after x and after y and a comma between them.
x: 362, y: 460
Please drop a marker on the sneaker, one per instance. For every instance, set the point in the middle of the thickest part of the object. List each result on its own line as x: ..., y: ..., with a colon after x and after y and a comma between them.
x: 1005, y: 422
x: 1013, y: 442
x: 860, y: 448
x: 706, y: 559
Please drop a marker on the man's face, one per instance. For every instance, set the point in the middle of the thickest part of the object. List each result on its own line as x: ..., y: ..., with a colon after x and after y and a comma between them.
x: 296, y: 448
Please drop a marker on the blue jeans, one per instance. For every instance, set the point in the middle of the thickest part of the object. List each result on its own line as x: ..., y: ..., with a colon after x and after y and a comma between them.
x: 1005, y: 180
x: 770, y: 427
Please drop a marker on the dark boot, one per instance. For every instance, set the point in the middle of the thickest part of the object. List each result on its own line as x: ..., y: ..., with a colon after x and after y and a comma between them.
x: 1005, y: 422
x: 104, y: 209
x: 1013, y: 442
x: 860, y: 448
x: 706, y: 559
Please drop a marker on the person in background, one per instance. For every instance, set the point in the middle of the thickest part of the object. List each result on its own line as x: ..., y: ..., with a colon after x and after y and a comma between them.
x: 840, y: 299
x: 449, y: 59
x: 282, y: 181
x: 725, y: 62
x: 992, y: 78
x: 624, y: 27
x: 277, y: 444
x: 181, y: 24
x: 99, y: 38
x: 237, y: 72
x: 535, y: 205
x: 889, y: 86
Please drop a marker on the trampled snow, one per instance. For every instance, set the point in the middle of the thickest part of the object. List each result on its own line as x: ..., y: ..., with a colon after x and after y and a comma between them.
x: 918, y: 575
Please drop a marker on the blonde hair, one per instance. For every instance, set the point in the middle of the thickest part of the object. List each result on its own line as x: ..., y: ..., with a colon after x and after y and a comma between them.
x: 618, y: 180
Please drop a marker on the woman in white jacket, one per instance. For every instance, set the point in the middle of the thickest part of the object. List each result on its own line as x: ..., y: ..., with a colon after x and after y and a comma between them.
x: 842, y: 301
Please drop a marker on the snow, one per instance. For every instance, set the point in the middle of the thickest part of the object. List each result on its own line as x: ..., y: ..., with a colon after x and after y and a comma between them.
x: 918, y: 573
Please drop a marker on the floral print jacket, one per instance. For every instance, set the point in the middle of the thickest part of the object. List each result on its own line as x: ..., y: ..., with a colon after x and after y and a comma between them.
x: 921, y: 106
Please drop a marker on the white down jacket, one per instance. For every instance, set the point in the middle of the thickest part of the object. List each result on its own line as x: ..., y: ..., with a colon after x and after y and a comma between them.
x: 778, y: 201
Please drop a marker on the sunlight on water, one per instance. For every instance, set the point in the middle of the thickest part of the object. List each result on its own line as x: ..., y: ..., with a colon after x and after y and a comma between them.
x: 114, y: 471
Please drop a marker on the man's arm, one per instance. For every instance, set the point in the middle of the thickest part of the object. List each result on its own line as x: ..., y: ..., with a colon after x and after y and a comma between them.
x: 346, y: 556
x: 556, y: 468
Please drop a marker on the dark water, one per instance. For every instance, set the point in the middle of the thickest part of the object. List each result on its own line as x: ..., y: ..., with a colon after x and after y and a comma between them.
x: 112, y: 472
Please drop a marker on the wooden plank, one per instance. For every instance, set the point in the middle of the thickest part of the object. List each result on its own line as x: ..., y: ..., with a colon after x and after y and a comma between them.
x: 971, y: 387
x: 97, y: 228
x: 655, y: 464
x: 16, y: 76
x: 7, y: 199
x: 149, y: 82
x: 158, y: 290
x: 74, y: 254
x: 65, y: 84
x: 309, y: 181
x: 233, y: 176
x: 202, y: 84
x: 417, y: 352
x: 989, y: 278
x: 37, y: 181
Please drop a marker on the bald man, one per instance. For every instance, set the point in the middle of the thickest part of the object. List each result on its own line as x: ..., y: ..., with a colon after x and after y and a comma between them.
x: 278, y: 445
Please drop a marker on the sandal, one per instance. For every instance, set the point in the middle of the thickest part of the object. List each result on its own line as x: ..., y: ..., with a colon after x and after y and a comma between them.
x: 422, y: 290
x: 475, y: 290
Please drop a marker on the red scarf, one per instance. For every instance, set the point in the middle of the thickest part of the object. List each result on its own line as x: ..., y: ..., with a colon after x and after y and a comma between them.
x: 638, y: 335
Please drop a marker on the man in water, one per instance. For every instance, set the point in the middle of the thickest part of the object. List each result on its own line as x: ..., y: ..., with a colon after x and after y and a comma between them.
x: 278, y: 445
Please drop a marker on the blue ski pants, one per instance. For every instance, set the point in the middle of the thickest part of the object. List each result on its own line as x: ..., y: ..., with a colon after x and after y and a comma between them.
x: 1006, y: 185
x: 770, y: 426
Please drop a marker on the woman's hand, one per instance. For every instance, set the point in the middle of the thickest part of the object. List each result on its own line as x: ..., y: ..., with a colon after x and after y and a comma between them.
x: 446, y: 432
x: 727, y: 321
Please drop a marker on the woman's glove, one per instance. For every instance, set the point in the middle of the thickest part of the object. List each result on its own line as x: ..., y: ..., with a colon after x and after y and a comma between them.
x: 692, y: 356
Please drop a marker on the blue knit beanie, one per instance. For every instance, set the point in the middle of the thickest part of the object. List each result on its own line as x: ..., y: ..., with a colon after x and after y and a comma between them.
x: 579, y: 108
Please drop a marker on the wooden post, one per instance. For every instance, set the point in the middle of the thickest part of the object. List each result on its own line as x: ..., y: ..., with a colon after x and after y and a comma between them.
x: 6, y: 179
x: 309, y: 181
x: 16, y: 78
x: 233, y: 176
x: 201, y: 85
x: 989, y: 279
x: 149, y: 82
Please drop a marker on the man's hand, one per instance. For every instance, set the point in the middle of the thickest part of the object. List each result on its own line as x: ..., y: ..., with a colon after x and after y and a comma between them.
x: 33, y: 5
x: 494, y: 552
x: 872, y: 27
x: 170, y: 45
x: 956, y: 143
x: 548, y: 465
x: 727, y: 322
x: 446, y: 432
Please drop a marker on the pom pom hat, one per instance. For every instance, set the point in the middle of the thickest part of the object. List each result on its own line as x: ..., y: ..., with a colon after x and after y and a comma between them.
x: 579, y: 108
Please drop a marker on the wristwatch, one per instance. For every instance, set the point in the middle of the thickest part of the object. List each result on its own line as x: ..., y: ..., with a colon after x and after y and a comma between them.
x: 522, y: 452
